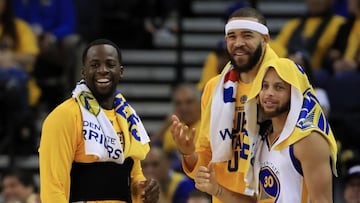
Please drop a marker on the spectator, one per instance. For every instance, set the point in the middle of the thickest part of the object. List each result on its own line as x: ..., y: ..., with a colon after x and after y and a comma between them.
x: 214, y: 64
x: 314, y: 32
x: 53, y: 21
x: 186, y: 104
x: 303, y: 59
x: 18, y: 51
x: 344, y: 55
x: 352, y: 184
x: 18, y: 186
x: 197, y: 196
x: 175, y: 186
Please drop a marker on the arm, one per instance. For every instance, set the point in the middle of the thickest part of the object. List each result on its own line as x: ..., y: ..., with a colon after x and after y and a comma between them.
x: 199, y: 155
x: 313, y: 152
x: 65, y: 19
x: 56, y: 154
x: 146, y: 191
x: 184, y: 139
x: 28, y: 49
x: 285, y: 33
x: 205, y: 181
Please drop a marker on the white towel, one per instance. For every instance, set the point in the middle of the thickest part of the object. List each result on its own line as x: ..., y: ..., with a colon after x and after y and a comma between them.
x: 105, y: 143
x: 222, y: 115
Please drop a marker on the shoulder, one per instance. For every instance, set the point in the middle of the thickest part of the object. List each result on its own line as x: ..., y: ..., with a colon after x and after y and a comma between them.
x: 339, y: 19
x: 184, y: 181
x: 21, y: 24
x: 292, y: 23
x: 213, y: 81
x: 69, y: 109
x: 209, y: 88
x: 315, y: 144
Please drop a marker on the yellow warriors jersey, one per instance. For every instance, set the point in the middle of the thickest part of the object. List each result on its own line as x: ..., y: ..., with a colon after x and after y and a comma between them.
x: 61, y: 144
x: 229, y: 174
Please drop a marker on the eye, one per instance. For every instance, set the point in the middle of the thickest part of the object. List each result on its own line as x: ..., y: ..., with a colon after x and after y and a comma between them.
x: 248, y: 36
x: 111, y: 64
x: 231, y: 37
x: 264, y: 86
x: 94, y: 65
x: 279, y: 87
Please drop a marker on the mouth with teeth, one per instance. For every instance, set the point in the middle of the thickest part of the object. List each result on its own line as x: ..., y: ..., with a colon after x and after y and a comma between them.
x: 240, y: 54
x: 103, y: 82
x: 269, y: 104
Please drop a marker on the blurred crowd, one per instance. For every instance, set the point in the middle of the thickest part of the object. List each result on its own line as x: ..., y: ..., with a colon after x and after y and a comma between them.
x: 40, y: 42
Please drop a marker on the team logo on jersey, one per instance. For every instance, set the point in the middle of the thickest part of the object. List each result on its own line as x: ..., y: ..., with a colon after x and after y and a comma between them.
x: 311, y: 114
x: 243, y: 99
x: 88, y: 101
x: 269, y: 186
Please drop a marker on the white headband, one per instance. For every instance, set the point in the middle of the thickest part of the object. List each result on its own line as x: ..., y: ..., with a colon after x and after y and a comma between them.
x: 246, y: 24
x: 354, y: 169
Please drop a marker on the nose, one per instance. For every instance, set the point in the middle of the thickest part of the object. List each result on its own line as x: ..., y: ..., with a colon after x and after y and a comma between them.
x: 103, y: 69
x: 269, y: 92
x: 239, y: 42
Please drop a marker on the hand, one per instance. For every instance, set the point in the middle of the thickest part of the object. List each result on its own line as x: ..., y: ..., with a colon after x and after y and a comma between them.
x: 341, y: 66
x: 150, y: 191
x: 205, y: 179
x: 7, y: 59
x: 47, y: 40
x: 183, y: 138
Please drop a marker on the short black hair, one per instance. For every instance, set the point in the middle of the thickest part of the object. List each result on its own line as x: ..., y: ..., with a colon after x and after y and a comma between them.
x: 353, y: 170
x: 249, y: 12
x: 197, y: 193
x: 99, y: 42
x: 25, y: 178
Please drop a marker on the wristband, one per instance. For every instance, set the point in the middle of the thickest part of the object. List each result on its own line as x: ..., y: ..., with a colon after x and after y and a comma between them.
x: 185, y: 155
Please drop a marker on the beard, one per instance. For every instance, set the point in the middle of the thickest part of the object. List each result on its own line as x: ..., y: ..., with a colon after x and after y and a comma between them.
x: 102, y: 95
x: 253, y: 60
x: 278, y: 111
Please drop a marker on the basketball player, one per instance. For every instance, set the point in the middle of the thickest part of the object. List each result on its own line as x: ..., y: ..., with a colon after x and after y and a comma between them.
x: 294, y: 167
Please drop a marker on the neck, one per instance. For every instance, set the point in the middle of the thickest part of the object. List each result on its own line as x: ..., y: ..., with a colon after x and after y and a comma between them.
x: 278, y: 124
x: 107, y: 104
x: 248, y: 77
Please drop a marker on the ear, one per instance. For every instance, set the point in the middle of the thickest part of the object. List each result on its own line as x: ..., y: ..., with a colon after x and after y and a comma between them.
x: 83, y: 72
x: 121, y: 72
x: 266, y: 38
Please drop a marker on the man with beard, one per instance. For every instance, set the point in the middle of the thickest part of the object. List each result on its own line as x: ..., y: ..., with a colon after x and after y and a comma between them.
x: 223, y: 136
x: 295, y: 151
x: 91, y: 144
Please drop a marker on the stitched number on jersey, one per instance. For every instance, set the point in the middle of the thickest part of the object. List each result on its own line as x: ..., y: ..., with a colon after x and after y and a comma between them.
x: 269, y: 186
x: 239, y: 143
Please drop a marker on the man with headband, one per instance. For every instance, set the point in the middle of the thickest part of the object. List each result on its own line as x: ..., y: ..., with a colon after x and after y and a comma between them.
x: 223, y: 137
x: 295, y: 152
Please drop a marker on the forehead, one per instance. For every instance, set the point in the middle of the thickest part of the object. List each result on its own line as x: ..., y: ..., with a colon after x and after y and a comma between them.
x: 181, y: 93
x: 242, y: 30
x: 102, y: 50
x: 272, y: 74
x: 154, y: 154
x: 11, y: 179
x: 244, y: 18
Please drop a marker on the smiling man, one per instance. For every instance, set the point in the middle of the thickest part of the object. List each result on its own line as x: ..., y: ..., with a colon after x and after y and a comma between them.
x: 91, y: 144
x: 223, y: 136
x: 295, y: 152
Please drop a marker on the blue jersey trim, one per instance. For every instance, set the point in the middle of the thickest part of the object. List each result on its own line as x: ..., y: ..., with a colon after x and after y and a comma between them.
x: 294, y: 161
